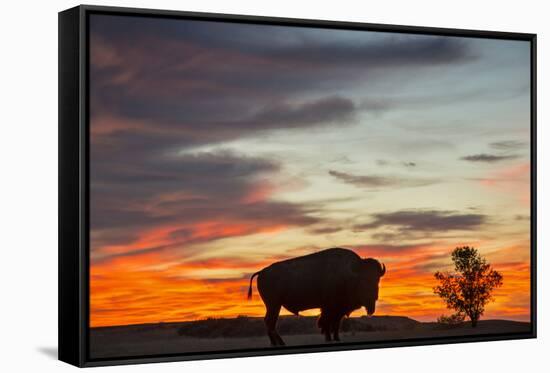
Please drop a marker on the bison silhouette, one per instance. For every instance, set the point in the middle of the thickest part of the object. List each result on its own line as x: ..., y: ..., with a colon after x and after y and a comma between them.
x: 336, y: 280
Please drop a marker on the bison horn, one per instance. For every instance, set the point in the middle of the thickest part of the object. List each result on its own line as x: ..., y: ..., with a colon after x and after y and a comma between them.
x: 382, y: 270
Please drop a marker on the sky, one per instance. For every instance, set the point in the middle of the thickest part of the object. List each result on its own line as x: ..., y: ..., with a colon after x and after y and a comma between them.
x: 219, y: 148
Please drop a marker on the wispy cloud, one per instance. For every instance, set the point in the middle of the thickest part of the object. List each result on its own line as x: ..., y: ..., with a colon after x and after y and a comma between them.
x: 326, y: 230
x: 385, y: 162
x: 508, y: 145
x: 489, y: 158
x: 377, y: 181
x: 425, y: 221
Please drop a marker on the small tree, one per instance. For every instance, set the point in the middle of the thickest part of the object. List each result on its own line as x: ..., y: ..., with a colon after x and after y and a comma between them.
x: 468, y: 290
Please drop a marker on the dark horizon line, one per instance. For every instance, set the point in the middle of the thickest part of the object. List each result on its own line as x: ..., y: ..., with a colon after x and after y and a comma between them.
x: 282, y: 316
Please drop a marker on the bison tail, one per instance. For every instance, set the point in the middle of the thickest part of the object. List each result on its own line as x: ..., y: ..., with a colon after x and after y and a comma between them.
x: 250, y: 286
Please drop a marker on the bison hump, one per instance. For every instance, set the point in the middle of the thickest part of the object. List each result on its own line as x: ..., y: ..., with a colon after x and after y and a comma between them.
x: 334, y: 252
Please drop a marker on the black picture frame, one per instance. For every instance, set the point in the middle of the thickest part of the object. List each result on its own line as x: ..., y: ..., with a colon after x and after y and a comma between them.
x: 74, y: 187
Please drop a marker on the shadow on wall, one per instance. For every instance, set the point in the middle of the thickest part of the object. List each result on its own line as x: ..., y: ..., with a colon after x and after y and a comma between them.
x: 50, y: 352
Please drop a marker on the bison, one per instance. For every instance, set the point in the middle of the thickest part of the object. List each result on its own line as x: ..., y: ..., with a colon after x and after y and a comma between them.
x: 336, y: 280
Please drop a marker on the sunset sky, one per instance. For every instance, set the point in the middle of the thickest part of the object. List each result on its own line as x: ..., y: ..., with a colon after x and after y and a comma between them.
x: 218, y: 148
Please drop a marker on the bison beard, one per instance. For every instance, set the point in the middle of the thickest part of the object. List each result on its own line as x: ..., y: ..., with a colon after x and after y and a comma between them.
x: 335, y: 280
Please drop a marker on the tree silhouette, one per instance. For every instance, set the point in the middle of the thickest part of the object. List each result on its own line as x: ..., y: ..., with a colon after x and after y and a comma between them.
x: 468, y: 290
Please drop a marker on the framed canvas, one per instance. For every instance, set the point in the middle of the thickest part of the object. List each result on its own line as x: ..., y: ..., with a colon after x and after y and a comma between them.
x: 235, y: 186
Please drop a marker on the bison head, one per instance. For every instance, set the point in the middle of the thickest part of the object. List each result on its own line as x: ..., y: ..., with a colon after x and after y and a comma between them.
x: 370, y: 275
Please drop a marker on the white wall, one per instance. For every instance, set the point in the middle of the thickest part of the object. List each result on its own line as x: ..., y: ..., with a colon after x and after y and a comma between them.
x: 28, y: 198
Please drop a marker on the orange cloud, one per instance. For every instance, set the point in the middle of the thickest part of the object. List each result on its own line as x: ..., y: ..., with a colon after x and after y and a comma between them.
x: 150, y: 288
x: 514, y: 180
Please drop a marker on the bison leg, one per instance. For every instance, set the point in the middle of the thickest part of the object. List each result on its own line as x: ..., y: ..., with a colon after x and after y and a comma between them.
x: 325, y: 324
x: 279, y: 339
x: 321, y: 322
x: 328, y: 338
x: 336, y: 328
x: 271, y: 316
